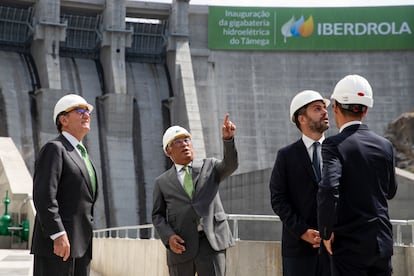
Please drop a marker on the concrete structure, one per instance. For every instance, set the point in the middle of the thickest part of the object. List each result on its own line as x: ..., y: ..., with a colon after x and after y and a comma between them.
x: 17, y: 181
x: 184, y: 83
x: 15, y: 262
x: 147, y: 257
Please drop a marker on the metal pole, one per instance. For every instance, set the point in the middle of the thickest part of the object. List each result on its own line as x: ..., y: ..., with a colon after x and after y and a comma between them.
x: 236, y: 229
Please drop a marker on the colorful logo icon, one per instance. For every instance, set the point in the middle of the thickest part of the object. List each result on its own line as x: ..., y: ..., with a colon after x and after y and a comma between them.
x: 297, y: 28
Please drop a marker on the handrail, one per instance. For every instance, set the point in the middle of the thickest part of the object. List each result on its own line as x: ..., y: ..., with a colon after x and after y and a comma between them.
x: 107, y: 232
x: 236, y: 217
x: 127, y: 230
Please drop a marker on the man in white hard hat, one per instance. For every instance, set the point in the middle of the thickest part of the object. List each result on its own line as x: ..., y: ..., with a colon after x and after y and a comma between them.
x: 294, y: 184
x: 187, y: 210
x: 64, y: 194
x: 357, y: 180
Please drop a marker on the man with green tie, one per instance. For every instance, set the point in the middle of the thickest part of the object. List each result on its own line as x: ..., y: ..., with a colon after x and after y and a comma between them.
x: 64, y: 194
x: 187, y: 210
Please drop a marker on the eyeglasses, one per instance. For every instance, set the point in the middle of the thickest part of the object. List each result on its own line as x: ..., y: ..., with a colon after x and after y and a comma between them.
x: 180, y: 141
x: 80, y: 111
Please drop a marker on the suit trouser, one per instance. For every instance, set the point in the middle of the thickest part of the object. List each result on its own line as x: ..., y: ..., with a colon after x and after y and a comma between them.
x: 315, y: 265
x: 55, y: 266
x: 307, y: 265
x: 208, y: 262
x: 361, y: 266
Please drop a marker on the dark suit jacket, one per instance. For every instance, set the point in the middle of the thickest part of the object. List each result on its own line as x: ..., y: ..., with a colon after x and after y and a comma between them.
x: 63, y: 197
x: 358, y: 178
x: 175, y: 213
x: 293, y: 189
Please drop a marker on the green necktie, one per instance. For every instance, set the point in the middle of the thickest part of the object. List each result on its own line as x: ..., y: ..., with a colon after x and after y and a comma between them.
x: 88, y: 163
x: 188, y: 182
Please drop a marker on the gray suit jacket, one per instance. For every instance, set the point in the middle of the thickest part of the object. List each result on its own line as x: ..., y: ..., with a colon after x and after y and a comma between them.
x: 175, y: 213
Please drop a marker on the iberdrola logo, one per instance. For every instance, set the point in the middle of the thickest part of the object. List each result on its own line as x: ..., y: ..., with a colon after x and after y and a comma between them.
x: 297, y: 28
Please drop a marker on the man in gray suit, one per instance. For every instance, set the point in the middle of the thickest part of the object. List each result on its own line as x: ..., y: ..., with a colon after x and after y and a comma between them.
x: 190, y: 219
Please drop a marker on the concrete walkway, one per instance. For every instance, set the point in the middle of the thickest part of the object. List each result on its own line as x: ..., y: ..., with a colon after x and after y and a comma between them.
x: 15, y: 262
x: 19, y: 262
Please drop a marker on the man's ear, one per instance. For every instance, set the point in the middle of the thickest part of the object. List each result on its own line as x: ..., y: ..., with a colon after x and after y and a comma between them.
x: 63, y: 120
x: 301, y: 119
x: 364, y: 113
x: 335, y: 108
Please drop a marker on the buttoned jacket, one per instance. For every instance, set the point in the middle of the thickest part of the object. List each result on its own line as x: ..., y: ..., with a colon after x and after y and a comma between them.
x: 174, y: 212
x: 63, y: 197
x: 293, y: 187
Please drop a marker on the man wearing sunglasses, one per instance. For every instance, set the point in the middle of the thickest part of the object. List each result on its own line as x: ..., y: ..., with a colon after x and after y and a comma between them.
x: 187, y: 210
x: 64, y: 193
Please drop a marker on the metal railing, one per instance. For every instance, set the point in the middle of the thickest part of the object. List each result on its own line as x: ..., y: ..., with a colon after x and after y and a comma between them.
x: 15, y: 26
x: 125, y: 232
x: 136, y: 231
x: 398, y: 240
x: 82, y: 35
x: 149, y: 40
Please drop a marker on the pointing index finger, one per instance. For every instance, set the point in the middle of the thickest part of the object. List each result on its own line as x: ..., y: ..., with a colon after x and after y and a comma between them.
x: 226, y: 119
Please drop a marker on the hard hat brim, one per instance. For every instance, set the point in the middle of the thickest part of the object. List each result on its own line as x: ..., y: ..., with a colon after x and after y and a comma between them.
x: 88, y: 106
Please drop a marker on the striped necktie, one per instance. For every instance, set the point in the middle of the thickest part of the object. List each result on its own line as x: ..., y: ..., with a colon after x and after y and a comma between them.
x: 89, y: 166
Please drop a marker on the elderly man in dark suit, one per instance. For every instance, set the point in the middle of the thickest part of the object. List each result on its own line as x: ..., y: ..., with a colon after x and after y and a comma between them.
x: 358, y: 179
x: 187, y: 211
x: 64, y: 193
x: 294, y: 184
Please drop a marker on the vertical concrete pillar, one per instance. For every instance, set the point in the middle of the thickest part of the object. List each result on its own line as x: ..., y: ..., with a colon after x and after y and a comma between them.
x: 48, y: 32
x: 114, y: 40
x: 184, y: 107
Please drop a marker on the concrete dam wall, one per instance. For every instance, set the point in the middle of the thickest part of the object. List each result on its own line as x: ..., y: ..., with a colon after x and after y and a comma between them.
x: 115, y: 140
x: 137, y: 98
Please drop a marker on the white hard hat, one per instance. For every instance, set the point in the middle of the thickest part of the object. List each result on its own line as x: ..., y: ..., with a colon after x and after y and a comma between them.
x: 353, y: 89
x: 172, y: 133
x: 67, y: 102
x: 303, y: 98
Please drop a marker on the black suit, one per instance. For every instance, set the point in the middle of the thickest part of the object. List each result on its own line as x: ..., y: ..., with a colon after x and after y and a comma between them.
x: 358, y: 178
x: 293, y: 189
x: 64, y: 200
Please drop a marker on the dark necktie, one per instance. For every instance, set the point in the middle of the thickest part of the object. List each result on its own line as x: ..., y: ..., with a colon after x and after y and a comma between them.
x: 88, y: 164
x: 188, y: 182
x: 316, y: 162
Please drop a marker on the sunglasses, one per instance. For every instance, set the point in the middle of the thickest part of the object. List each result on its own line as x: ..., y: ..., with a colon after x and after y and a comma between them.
x: 80, y: 110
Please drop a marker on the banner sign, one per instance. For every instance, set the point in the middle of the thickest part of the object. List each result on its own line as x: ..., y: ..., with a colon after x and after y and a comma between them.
x: 356, y: 28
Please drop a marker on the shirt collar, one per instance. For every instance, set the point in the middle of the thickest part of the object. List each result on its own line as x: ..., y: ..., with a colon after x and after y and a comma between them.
x: 179, y: 167
x: 349, y: 124
x: 72, y: 140
x: 309, y: 142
